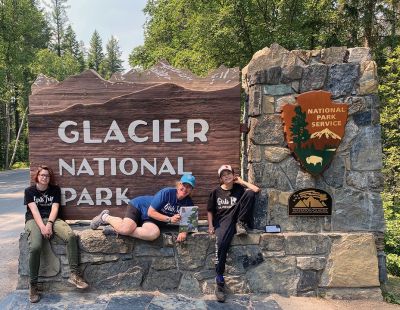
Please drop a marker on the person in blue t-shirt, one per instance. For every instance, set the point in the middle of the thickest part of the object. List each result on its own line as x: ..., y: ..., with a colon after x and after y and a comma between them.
x: 145, y: 213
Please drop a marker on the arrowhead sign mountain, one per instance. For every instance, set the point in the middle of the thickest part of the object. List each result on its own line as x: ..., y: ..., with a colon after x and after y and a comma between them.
x: 314, y: 128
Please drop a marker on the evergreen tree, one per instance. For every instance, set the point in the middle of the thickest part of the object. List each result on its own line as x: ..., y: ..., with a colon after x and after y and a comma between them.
x: 95, y: 55
x: 23, y: 31
x: 298, y: 128
x: 58, y: 22
x: 112, y: 61
x: 82, y: 56
x: 69, y: 42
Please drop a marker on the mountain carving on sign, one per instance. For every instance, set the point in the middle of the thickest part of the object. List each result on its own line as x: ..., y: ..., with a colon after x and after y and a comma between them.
x: 327, y: 133
x: 310, y: 203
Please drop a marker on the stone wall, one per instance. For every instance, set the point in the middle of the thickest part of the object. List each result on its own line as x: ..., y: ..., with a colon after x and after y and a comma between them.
x: 274, y: 77
x: 333, y: 256
x: 303, y: 264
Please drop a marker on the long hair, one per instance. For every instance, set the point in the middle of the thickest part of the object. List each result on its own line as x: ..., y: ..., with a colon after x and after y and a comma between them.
x: 49, y: 170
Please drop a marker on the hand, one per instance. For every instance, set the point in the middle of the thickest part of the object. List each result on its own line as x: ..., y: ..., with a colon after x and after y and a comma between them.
x: 49, y: 227
x: 47, y: 230
x: 238, y: 180
x: 175, y: 219
x: 211, y: 230
x: 181, y: 236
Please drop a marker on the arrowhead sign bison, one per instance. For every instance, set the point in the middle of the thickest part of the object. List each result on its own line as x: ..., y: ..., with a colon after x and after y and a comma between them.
x: 314, y: 129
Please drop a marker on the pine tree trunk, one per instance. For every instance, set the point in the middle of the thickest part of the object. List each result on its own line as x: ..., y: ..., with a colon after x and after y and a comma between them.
x: 17, y: 139
x: 8, y: 128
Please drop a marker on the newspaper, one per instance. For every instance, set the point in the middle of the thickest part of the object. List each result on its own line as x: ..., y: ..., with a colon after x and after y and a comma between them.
x: 189, y: 219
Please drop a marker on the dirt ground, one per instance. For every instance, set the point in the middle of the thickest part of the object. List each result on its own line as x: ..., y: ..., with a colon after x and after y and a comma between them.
x: 308, y: 303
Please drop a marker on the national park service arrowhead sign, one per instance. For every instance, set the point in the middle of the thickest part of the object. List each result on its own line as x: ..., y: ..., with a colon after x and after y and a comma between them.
x: 314, y: 129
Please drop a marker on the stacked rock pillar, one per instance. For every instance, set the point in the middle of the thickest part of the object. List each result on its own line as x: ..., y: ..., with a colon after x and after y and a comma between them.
x: 272, y: 79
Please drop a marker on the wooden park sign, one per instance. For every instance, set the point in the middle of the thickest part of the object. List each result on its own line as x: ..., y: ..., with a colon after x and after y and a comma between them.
x: 110, y: 141
x: 314, y: 129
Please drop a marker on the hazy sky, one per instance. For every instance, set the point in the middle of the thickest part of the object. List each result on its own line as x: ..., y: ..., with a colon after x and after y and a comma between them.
x: 124, y: 19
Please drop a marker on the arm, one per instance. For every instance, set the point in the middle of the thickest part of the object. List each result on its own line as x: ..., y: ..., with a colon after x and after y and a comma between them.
x: 210, y: 218
x: 250, y: 186
x: 44, y: 229
x: 53, y: 216
x: 153, y: 213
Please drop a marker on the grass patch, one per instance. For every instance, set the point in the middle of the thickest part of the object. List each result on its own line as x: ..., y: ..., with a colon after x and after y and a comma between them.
x: 391, y: 291
x: 19, y: 165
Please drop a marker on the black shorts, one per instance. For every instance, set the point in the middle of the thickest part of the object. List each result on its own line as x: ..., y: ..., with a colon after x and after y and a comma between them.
x: 134, y: 214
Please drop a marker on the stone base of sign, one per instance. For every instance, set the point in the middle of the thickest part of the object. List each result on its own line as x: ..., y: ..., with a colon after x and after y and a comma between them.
x: 332, y: 265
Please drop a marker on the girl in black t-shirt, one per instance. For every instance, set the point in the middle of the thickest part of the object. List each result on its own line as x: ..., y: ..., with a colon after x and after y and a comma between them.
x: 41, y: 222
x: 229, y: 209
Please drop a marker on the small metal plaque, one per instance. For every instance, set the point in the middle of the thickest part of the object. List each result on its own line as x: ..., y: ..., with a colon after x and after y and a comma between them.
x: 310, y: 202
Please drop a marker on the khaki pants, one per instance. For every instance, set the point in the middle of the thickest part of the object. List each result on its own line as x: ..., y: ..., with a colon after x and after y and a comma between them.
x: 35, y: 239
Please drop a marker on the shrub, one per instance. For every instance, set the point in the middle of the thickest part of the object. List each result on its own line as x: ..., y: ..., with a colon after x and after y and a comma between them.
x: 393, y: 264
x: 19, y: 165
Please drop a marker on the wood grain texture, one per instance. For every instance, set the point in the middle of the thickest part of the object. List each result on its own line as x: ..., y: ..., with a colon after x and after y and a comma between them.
x: 87, y: 97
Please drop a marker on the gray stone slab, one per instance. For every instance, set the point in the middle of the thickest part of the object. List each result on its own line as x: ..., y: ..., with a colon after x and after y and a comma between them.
x: 228, y: 305
x: 129, y: 302
x: 278, y: 90
x: 313, y: 77
x: 176, y: 301
x: 154, y: 307
x: 15, y: 301
x: 342, y: 79
x: 363, y: 118
x: 276, y: 275
x: 366, y: 151
x: 265, y: 305
x: 19, y: 300
x: 85, y: 307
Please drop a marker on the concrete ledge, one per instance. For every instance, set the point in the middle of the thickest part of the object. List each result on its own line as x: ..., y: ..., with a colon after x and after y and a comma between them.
x: 292, y: 264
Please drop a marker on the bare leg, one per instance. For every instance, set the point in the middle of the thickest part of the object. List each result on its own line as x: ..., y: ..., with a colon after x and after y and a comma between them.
x: 125, y: 226
x: 128, y: 227
x: 148, y: 231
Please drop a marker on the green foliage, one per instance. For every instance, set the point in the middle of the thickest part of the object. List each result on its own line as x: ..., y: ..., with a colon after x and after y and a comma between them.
x: 390, y: 121
x: 69, y: 42
x: 299, y: 131
x: 95, y: 55
x: 20, y: 165
x: 81, y: 57
x: 391, y: 290
x: 63, y: 39
x: 51, y: 65
x: 112, y: 62
x: 23, y: 31
x: 58, y: 22
x: 393, y: 264
x: 202, y: 35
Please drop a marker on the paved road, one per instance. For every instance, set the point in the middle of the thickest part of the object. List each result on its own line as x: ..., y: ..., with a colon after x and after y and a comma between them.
x: 12, y: 210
